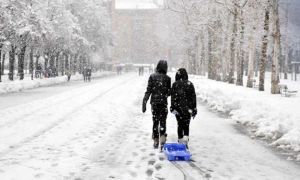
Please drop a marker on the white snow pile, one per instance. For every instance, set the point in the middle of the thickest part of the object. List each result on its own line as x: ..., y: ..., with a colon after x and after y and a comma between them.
x: 27, y: 83
x: 272, y: 117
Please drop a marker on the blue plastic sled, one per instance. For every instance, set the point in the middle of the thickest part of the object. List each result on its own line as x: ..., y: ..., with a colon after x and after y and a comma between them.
x: 177, y: 152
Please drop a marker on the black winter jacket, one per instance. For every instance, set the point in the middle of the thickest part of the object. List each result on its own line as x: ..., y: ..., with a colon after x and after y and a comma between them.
x: 183, y: 96
x: 159, y: 86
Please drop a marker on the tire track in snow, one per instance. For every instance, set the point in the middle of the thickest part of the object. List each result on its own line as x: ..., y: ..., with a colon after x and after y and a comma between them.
x: 59, y: 121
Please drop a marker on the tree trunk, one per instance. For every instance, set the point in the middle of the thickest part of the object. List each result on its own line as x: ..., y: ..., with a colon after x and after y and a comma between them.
x: 57, y: 63
x: 202, y: 64
x: 276, y: 50
x: 31, y: 64
x: 80, y: 66
x: 75, y: 67
x: 251, y: 61
x: 240, y: 67
x: 295, y: 70
x: 225, y: 55
x: 286, y: 59
x: 21, y: 58
x: 264, y: 56
x: 193, y: 65
x: 210, y: 55
x: 232, y: 49
x: 46, y: 57
x: 64, y: 63
x: 12, y: 59
x: 37, y: 60
x: 67, y: 62
x: 71, y: 61
x: 0, y: 62
x: 52, y: 61
x: 3, y: 63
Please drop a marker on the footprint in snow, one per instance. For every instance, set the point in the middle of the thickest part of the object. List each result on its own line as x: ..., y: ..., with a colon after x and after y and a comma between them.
x: 38, y: 175
x: 86, y: 168
x: 158, y: 167
x: 151, y: 162
x: 149, y: 172
x: 161, y: 158
x: 133, y: 174
x: 78, y: 179
x: 111, y: 177
x: 152, y: 154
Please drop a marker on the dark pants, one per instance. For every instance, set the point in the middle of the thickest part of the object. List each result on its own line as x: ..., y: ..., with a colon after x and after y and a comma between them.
x: 159, y: 113
x: 183, y: 126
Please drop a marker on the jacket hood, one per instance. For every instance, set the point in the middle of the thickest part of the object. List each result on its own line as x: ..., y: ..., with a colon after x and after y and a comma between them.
x: 162, y: 67
x: 181, y: 75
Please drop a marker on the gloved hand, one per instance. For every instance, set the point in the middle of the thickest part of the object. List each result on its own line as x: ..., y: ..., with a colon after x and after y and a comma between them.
x: 194, y: 113
x: 174, y: 112
x: 144, y: 107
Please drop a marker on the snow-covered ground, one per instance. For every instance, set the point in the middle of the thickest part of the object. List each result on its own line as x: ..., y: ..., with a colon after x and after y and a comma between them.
x: 17, y: 85
x: 97, y: 131
x: 271, y: 117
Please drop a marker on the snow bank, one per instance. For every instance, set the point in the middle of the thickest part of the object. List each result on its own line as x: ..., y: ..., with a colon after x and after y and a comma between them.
x: 272, y: 117
x: 27, y: 83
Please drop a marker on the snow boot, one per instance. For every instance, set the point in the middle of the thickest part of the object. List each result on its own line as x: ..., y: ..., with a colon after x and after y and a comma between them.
x: 185, y: 140
x: 156, y: 143
x: 163, y: 140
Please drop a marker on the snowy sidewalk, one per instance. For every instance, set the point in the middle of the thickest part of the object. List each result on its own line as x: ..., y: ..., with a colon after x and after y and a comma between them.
x: 102, y: 134
x: 271, y: 117
x: 17, y: 85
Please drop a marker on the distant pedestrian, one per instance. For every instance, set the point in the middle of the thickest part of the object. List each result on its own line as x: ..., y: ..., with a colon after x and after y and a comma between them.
x: 84, y: 73
x: 119, y: 70
x: 38, y: 71
x: 159, y: 88
x: 141, y: 71
x: 68, y: 73
x: 89, y: 74
x: 183, y: 104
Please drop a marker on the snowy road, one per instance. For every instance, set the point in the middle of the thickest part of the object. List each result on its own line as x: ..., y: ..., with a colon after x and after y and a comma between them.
x: 97, y: 131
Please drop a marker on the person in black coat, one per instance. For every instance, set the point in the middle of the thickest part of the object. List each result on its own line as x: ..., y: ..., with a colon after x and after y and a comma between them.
x: 183, y: 104
x: 159, y: 88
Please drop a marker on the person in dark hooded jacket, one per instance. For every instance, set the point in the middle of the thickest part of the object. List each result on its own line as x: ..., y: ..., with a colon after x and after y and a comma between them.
x: 159, y: 88
x: 183, y: 104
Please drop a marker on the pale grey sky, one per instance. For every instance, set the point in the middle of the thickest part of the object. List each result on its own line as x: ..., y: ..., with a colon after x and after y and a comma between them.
x: 132, y: 4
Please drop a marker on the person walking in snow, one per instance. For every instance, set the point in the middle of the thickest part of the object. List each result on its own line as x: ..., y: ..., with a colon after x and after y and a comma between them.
x: 159, y: 88
x: 84, y: 73
x: 89, y: 74
x: 183, y: 104
x: 68, y: 74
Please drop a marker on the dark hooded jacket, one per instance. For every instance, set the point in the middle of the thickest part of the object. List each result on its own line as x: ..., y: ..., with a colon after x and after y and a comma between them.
x: 183, y: 96
x: 159, y: 85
